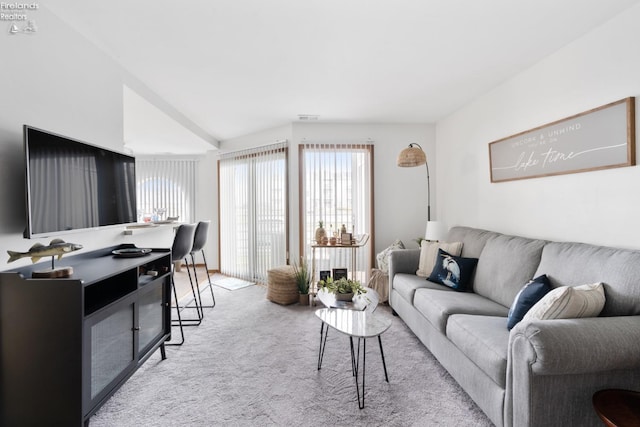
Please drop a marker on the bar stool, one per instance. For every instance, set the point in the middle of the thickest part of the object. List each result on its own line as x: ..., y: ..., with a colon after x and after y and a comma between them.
x: 199, y: 241
x: 182, y: 243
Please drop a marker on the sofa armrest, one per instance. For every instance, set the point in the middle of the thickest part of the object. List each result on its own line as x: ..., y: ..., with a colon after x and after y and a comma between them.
x: 403, y: 261
x: 574, y: 346
x: 555, y: 366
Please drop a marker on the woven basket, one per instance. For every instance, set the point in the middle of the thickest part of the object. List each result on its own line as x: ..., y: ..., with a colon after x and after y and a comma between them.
x: 281, y: 286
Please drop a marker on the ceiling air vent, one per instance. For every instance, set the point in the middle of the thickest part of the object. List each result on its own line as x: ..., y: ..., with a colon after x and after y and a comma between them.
x: 308, y: 117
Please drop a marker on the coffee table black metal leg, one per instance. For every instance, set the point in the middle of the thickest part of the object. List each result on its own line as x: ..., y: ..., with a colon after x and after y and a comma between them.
x: 384, y: 365
x: 364, y: 370
x: 356, y: 366
x: 323, y: 343
x: 353, y: 358
x: 358, y: 357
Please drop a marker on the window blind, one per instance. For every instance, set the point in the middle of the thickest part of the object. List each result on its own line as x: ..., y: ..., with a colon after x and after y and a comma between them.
x: 166, y: 188
x: 253, y: 211
x: 337, y: 189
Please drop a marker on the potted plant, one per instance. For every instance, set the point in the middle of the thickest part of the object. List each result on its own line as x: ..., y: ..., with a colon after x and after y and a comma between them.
x: 303, y: 279
x: 344, y: 289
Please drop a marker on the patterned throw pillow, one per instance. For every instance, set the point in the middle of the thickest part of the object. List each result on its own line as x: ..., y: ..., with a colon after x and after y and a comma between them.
x: 528, y: 296
x: 429, y: 255
x: 566, y: 302
x: 453, y: 271
x: 383, y: 257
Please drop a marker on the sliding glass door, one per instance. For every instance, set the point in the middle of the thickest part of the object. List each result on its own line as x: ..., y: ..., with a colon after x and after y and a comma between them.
x: 336, y: 187
x: 253, y: 211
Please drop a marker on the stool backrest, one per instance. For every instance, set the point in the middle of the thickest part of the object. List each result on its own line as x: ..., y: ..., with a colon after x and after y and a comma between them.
x: 183, y: 241
x: 200, y: 238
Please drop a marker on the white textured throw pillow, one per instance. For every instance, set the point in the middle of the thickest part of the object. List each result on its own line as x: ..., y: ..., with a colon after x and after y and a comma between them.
x: 566, y: 302
x: 429, y: 254
x: 383, y: 257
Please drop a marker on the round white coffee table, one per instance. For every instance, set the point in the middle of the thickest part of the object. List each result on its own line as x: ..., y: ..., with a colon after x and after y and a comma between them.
x: 354, y: 324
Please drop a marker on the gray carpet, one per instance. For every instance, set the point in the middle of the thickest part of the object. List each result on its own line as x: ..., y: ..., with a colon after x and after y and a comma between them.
x: 254, y: 363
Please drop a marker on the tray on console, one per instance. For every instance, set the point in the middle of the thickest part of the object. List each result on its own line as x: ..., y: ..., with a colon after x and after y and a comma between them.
x: 131, y: 252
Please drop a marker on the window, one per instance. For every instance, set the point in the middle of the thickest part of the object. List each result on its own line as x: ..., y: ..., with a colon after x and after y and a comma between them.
x: 253, y: 211
x: 166, y: 188
x: 336, y: 187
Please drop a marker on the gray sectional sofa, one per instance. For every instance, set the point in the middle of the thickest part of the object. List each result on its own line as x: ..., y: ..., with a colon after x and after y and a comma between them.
x: 542, y: 372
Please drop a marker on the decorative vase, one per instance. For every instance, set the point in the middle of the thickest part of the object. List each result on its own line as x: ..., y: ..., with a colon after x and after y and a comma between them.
x: 304, y: 299
x: 321, y: 233
x: 344, y: 297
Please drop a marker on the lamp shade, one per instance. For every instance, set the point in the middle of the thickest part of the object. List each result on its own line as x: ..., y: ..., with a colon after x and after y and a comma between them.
x: 436, y: 231
x: 412, y: 156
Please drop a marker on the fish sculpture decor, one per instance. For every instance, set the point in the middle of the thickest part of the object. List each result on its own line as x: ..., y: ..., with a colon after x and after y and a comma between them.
x: 57, y: 247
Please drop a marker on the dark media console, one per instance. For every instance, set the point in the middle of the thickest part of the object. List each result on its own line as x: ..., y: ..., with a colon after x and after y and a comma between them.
x: 68, y: 344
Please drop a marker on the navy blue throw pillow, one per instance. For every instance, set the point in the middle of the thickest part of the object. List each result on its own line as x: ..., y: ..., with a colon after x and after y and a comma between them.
x: 528, y: 296
x: 453, y: 271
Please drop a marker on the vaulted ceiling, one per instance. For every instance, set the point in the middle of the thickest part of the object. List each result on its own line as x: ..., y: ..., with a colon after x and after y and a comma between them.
x: 234, y: 67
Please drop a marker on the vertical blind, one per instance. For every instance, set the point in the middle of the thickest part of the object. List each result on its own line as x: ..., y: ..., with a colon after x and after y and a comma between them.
x: 336, y: 187
x: 253, y: 211
x: 166, y: 188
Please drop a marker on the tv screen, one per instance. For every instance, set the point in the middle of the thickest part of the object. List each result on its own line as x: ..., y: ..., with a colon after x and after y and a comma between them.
x: 72, y: 185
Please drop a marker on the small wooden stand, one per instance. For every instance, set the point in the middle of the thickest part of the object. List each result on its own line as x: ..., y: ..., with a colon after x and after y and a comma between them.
x: 53, y: 273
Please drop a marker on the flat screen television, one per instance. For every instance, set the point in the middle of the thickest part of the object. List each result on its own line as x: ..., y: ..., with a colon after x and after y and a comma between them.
x: 75, y: 186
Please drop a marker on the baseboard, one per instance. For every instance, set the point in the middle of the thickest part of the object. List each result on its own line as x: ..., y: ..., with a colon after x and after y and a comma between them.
x: 182, y: 264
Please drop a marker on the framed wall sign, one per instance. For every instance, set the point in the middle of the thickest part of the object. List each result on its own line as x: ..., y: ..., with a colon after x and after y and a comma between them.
x: 601, y: 138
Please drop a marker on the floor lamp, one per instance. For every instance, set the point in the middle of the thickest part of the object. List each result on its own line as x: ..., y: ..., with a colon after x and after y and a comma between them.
x: 413, y: 156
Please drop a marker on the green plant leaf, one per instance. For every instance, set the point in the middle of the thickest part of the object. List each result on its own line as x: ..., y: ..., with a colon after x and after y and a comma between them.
x: 302, y: 275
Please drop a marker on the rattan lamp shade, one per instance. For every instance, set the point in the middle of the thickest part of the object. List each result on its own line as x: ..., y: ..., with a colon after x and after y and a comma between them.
x: 411, y: 156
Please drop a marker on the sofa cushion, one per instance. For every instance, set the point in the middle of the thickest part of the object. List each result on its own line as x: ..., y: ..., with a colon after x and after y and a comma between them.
x: 473, y: 239
x: 528, y: 296
x: 438, y: 304
x: 568, y: 264
x: 429, y: 255
x: 568, y: 302
x: 453, y: 271
x: 506, y: 263
x: 484, y: 340
x: 406, y: 284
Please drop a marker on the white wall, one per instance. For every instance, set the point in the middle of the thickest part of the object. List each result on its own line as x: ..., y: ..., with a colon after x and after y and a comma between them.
x: 54, y: 80
x: 600, y: 207
x: 400, y: 195
x: 57, y: 80
x: 207, y: 205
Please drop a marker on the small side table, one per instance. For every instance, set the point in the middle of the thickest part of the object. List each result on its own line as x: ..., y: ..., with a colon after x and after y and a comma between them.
x: 358, y: 244
x: 618, y: 408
